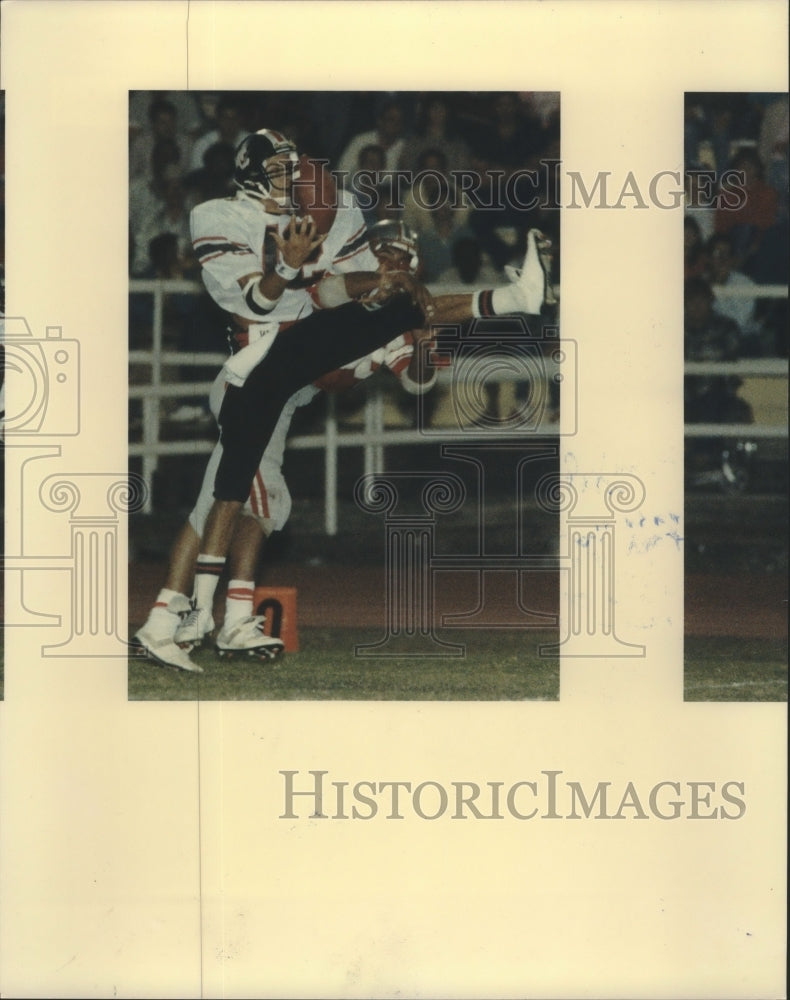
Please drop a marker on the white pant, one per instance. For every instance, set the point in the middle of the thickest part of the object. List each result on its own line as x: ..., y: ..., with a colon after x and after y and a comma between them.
x: 269, y: 501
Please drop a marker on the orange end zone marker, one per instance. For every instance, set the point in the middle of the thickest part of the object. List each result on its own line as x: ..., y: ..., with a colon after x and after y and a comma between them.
x: 278, y: 604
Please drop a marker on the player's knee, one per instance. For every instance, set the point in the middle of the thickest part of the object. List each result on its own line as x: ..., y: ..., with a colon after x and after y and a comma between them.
x: 232, y: 486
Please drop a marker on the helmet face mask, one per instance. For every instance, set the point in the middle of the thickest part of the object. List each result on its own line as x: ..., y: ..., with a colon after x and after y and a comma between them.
x: 393, y: 259
x: 266, y: 165
x: 394, y: 245
x: 279, y: 173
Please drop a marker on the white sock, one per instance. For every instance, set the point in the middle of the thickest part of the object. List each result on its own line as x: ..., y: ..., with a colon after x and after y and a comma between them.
x: 238, y: 603
x: 208, y: 570
x: 503, y: 301
x: 159, y: 616
x: 164, y: 597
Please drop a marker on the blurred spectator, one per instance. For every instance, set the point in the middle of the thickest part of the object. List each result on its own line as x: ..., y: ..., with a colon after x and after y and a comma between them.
x: 715, y: 124
x: 739, y: 308
x: 365, y: 180
x: 751, y: 226
x: 331, y: 112
x: 720, y: 133
x: 694, y: 261
x: 469, y: 266
x: 215, y: 177
x: 772, y: 147
x: 508, y: 141
x: 167, y: 257
x: 386, y: 204
x: 162, y: 127
x: 388, y: 134
x: 700, y: 199
x: 146, y: 193
x: 170, y: 216
x: 692, y: 131
x: 185, y: 102
x: 293, y: 113
x: 544, y: 107
x: 709, y: 336
x: 756, y: 127
x: 775, y: 130
x: 436, y: 130
x: 229, y: 129
x: 429, y: 210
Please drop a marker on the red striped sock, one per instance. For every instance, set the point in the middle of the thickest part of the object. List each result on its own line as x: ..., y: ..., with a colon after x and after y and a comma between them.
x: 482, y: 303
x: 238, y: 602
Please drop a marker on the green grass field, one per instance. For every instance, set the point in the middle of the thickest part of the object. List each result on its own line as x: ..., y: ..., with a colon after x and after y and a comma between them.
x: 723, y: 668
x: 497, y: 666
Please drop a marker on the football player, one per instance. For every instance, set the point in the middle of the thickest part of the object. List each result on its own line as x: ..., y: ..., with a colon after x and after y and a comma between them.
x: 175, y: 624
x: 296, y: 322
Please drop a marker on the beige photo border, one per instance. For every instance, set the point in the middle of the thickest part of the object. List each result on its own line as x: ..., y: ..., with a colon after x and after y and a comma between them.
x: 142, y: 851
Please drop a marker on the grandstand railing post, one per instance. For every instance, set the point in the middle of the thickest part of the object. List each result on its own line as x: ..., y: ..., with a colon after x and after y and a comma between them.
x: 378, y: 426
x: 369, y: 448
x: 330, y: 467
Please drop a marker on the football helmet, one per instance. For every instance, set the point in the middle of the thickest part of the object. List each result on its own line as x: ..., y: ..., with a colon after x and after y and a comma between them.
x: 390, y: 234
x: 251, y: 173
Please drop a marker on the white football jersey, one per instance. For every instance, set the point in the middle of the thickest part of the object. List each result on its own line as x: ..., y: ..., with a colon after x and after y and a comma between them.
x: 232, y: 238
x: 346, y: 248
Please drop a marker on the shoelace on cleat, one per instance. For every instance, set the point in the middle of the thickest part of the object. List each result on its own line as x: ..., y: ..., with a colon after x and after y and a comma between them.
x: 190, y: 619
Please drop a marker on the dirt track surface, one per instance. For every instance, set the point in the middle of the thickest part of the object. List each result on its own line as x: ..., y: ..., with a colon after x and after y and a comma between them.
x: 746, y: 606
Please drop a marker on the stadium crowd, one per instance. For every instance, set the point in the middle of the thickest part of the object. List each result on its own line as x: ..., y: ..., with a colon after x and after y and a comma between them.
x: 399, y: 153
x: 737, y: 244
x: 733, y: 247
x: 405, y: 155
x: 182, y: 144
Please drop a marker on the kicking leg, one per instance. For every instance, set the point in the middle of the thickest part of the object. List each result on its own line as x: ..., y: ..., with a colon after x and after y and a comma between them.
x: 529, y: 289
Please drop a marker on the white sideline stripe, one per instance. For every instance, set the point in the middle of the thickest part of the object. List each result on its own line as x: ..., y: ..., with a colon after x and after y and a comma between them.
x: 740, y: 684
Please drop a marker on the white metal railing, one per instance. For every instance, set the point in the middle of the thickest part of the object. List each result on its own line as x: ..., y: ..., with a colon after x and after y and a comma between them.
x: 374, y: 435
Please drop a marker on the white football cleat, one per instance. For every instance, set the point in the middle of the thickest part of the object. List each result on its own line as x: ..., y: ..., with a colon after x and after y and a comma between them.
x: 165, y: 651
x: 247, y: 636
x: 156, y: 637
x: 532, y: 279
x: 194, y: 627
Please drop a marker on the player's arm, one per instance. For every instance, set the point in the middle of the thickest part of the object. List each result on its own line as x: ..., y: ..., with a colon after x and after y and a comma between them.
x: 336, y: 289
x: 295, y: 244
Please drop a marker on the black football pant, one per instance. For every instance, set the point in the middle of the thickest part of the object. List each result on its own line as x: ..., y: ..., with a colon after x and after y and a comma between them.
x: 298, y: 356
